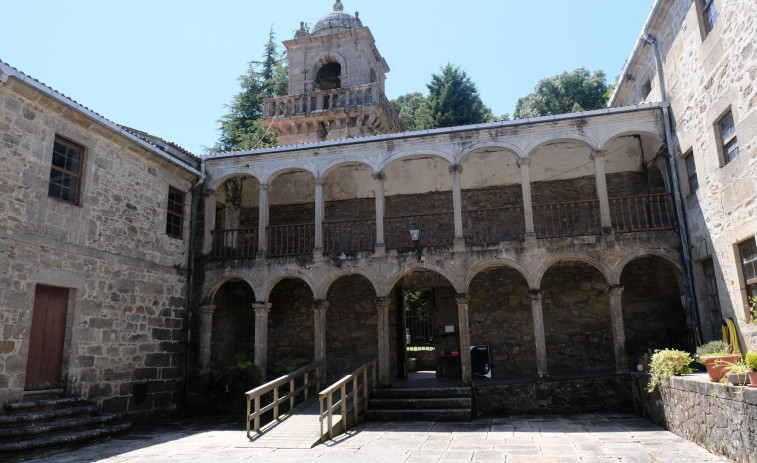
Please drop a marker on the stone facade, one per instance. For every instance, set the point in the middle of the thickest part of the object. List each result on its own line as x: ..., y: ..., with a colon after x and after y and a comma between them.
x: 126, y: 307
x: 703, y: 74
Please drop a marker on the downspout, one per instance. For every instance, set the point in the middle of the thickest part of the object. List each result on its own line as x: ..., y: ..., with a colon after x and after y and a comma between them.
x: 675, y: 186
x: 190, y: 277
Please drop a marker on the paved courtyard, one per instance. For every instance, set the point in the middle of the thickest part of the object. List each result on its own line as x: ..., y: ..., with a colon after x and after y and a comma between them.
x: 579, y: 438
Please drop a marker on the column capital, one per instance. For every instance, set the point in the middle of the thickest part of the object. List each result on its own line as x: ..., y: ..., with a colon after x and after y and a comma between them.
x: 321, y: 305
x: 261, y: 307
x: 462, y: 299
x: 456, y: 169
x: 208, y: 192
x: 524, y: 162
x: 379, y: 175
x: 207, y: 309
x: 264, y: 186
x: 535, y: 294
x: 319, y: 181
x: 615, y: 290
x: 597, y: 154
x: 382, y: 301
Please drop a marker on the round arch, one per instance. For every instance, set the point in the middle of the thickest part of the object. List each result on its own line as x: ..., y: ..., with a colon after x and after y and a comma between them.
x: 410, y: 153
x: 331, y: 279
x: 209, y: 290
x: 509, y: 148
x: 483, y: 266
x: 544, y: 139
x: 277, y: 172
x: 331, y: 56
x: 394, y: 278
x: 333, y: 164
x: 221, y: 176
x: 271, y: 282
x: 641, y: 129
x: 672, y: 258
x: 573, y: 257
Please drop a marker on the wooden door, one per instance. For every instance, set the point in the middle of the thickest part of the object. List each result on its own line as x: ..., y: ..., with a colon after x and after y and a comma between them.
x: 43, y: 366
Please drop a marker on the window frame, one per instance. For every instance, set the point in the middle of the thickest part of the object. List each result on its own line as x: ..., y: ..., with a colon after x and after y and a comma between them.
x: 175, y: 227
x: 744, y: 248
x: 77, y: 176
x: 709, y: 19
x: 693, y: 178
x: 728, y: 140
x: 713, y: 296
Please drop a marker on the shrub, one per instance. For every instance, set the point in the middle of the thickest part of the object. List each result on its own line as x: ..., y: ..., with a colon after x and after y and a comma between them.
x: 713, y: 348
x: 751, y: 360
x: 666, y: 363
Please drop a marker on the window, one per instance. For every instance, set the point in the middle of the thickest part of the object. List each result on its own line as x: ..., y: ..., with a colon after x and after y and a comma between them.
x: 646, y: 89
x: 748, y: 257
x: 729, y: 142
x: 713, y: 299
x: 65, y: 171
x: 175, y: 216
x: 710, y: 13
x: 691, y: 171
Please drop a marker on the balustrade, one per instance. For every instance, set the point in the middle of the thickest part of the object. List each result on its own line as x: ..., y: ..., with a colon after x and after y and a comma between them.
x: 642, y: 213
x: 235, y: 244
x: 490, y: 226
x: 294, y: 105
x: 290, y: 240
x: 573, y: 218
x: 349, y: 236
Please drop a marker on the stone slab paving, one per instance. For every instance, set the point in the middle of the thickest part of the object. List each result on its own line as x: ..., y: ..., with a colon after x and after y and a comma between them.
x: 597, y: 438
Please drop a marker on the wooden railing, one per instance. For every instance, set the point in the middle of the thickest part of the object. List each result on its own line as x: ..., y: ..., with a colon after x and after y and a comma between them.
x: 490, y: 226
x: 290, y: 240
x: 436, y: 230
x: 642, y: 213
x: 573, y: 218
x: 235, y: 244
x: 254, y: 411
x: 349, y: 387
x: 349, y: 236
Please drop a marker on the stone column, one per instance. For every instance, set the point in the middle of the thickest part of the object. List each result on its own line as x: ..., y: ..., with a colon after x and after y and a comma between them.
x: 462, y: 317
x: 457, y: 206
x: 604, y: 203
x: 618, y: 329
x: 319, y: 322
x: 261, y: 336
x: 210, y: 221
x: 384, y: 369
x: 206, y: 333
x: 528, y: 208
x: 263, y: 191
x: 319, y: 208
x: 539, y: 338
x: 379, y: 192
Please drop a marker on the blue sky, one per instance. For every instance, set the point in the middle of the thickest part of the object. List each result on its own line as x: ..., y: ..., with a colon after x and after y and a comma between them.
x: 169, y: 67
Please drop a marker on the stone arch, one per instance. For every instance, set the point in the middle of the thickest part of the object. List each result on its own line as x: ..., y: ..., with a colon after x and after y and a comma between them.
x: 335, y: 163
x: 506, y: 262
x: 331, y: 56
x: 274, y: 280
x: 545, y: 139
x: 392, y: 279
x: 500, y: 316
x: 211, y: 288
x: 511, y: 148
x: 331, y: 279
x: 629, y: 129
x: 669, y: 256
x: 631, y: 164
x: 407, y: 153
x: 575, y: 257
x: 577, y: 322
x: 281, y: 170
x: 221, y: 175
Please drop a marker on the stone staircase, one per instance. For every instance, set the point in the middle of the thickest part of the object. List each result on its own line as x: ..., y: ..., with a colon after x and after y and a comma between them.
x: 442, y: 404
x: 46, y: 426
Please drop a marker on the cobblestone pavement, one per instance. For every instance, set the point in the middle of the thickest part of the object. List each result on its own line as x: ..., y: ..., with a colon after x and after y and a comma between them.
x: 579, y: 438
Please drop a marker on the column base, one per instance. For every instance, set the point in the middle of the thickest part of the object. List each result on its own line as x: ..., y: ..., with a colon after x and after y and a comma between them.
x: 530, y: 240
x: 379, y: 250
x: 260, y: 255
x: 458, y: 245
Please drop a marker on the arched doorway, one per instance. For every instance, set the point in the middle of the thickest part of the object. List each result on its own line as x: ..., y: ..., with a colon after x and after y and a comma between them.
x: 290, y: 326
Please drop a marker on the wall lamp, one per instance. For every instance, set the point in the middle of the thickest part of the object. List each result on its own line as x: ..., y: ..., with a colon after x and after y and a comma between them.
x: 415, y: 234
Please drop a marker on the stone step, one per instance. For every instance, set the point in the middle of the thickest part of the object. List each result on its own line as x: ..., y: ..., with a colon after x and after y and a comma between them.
x: 44, y: 404
x: 45, y: 416
x: 433, y: 403
x: 461, y: 414
x: 56, y: 427
x: 400, y: 393
x: 49, y: 445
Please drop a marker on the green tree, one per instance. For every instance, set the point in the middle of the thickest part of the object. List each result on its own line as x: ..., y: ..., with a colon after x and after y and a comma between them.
x: 243, y: 127
x: 452, y: 100
x: 406, y: 107
x: 578, y: 90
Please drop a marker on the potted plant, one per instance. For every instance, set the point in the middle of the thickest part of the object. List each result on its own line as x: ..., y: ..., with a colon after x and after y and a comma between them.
x: 751, y: 363
x: 666, y: 363
x: 736, y: 373
x: 716, y: 356
x: 643, y: 364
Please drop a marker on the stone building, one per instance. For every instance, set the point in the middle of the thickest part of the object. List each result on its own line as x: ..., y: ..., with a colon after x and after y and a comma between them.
x: 700, y: 59
x: 94, y: 237
x: 554, y: 241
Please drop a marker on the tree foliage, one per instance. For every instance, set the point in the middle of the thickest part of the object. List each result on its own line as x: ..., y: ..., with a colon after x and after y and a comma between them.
x: 578, y: 90
x: 243, y: 128
x: 406, y: 107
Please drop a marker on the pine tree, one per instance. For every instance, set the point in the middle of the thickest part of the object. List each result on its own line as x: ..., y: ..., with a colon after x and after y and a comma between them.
x: 452, y: 100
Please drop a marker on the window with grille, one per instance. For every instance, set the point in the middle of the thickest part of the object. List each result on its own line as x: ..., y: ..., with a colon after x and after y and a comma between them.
x: 748, y: 257
x: 729, y: 142
x: 65, y: 171
x: 710, y: 14
x: 175, y: 215
x: 691, y: 171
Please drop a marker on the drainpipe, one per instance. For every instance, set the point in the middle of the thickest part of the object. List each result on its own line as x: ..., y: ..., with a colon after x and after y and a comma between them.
x: 675, y: 186
x: 190, y: 276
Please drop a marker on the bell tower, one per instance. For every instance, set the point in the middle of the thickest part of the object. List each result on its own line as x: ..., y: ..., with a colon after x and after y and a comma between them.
x: 336, y: 84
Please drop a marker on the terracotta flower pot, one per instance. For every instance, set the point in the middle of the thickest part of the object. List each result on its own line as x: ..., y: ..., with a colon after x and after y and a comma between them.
x: 716, y: 365
x: 752, y: 378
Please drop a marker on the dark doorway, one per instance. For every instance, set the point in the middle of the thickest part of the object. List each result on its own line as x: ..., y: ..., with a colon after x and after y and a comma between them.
x: 43, y: 365
x: 328, y: 77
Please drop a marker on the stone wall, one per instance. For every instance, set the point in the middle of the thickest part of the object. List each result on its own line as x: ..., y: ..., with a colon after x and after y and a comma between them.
x: 290, y: 324
x: 577, y: 320
x: 722, y: 419
x: 127, y: 315
x: 500, y: 316
x: 233, y: 322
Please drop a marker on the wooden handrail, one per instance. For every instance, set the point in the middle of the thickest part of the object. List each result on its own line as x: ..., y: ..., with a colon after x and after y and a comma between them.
x: 253, y: 396
x: 341, y: 385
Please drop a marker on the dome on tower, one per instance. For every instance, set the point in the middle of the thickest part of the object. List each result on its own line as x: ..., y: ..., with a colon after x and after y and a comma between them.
x: 336, y: 21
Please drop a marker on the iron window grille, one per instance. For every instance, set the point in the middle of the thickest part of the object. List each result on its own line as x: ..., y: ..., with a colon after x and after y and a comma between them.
x: 65, y: 170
